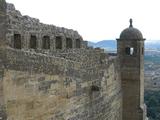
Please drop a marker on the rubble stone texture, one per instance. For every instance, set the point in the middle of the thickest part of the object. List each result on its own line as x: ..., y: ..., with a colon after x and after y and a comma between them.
x: 49, y: 73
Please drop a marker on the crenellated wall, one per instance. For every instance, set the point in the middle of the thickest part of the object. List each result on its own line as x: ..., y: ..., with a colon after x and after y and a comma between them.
x: 45, y: 83
x: 33, y: 34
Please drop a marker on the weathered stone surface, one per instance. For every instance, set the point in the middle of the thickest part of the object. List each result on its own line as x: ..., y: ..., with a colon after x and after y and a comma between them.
x: 57, y: 84
x: 49, y: 73
x: 131, y: 58
x: 60, y: 95
x: 26, y: 27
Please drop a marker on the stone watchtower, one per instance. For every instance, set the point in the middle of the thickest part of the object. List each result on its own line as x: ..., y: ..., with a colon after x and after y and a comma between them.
x: 130, y: 50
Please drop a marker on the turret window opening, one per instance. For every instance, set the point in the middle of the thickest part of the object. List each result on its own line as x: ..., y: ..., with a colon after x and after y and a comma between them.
x: 78, y: 43
x: 129, y: 51
x: 58, y: 42
x: 46, y: 42
x: 17, y: 41
x: 68, y: 43
x: 142, y: 50
x: 33, y: 42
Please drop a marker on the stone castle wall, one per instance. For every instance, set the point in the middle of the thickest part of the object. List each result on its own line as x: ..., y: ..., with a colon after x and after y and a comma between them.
x: 33, y: 33
x: 54, y: 88
x: 72, y: 83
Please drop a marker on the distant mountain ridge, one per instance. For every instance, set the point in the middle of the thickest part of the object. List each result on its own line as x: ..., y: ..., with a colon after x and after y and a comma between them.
x: 111, y: 45
x: 105, y: 44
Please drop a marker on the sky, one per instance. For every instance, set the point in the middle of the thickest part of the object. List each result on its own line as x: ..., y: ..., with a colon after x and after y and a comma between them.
x: 96, y: 20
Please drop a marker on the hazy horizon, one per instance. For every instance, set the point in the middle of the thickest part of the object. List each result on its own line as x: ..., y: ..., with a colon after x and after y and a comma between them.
x: 153, y: 41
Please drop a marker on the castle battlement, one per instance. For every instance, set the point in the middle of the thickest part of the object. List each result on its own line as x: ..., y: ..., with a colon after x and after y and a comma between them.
x: 24, y: 32
x: 49, y: 73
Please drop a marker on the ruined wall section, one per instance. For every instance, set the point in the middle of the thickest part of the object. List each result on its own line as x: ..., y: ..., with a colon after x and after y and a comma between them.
x: 54, y: 88
x: 26, y: 27
x: 66, y: 84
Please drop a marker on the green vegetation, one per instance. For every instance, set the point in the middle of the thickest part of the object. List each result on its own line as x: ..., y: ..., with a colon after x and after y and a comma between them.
x: 152, y: 100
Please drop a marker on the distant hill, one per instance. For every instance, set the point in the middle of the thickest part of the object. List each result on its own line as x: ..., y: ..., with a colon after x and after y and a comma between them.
x: 111, y: 45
